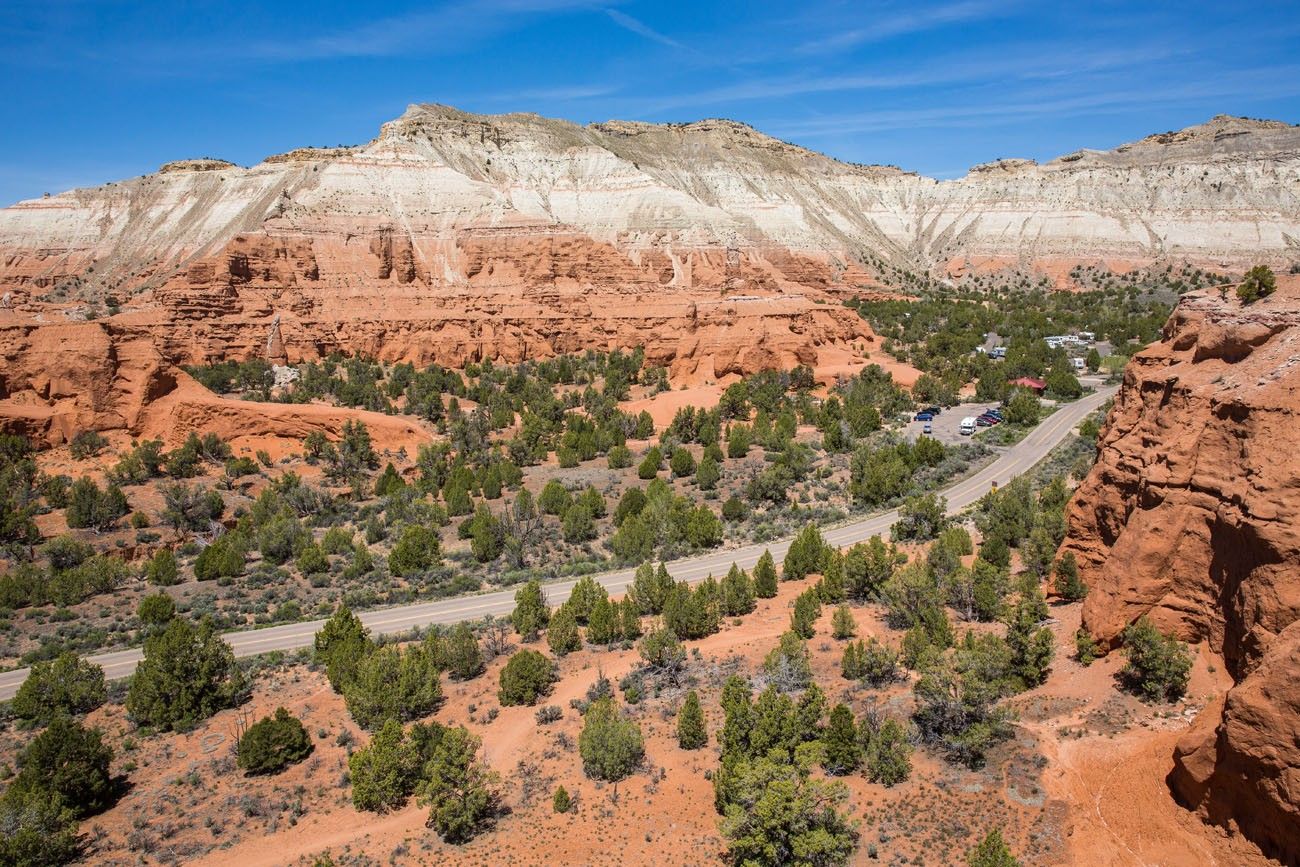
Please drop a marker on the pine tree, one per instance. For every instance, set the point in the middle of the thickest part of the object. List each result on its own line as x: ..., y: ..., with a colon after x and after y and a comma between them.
x: 691, y: 734
x: 831, y: 586
x: 462, y: 658
x: 807, y: 608
x: 737, y: 593
x: 840, y: 742
x: 888, y: 752
x: 843, y: 625
x: 992, y: 851
x: 1031, y: 646
x: 1067, y: 584
x: 562, y: 635
x: 765, y: 576
x: 531, y: 613
x: 561, y: 803
x: 340, y: 645
x: 851, y: 665
x: 603, y: 623
x: 630, y: 618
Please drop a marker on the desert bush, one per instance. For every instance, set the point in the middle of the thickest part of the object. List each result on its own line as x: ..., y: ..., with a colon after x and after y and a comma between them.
x: 527, y: 676
x: 273, y: 743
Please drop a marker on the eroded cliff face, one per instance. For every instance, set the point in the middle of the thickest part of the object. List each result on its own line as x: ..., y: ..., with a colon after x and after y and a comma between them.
x: 454, y: 237
x: 1190, y: 517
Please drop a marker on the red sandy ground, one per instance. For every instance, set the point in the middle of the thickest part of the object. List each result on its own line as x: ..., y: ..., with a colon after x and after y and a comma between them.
x: 1098, y: 799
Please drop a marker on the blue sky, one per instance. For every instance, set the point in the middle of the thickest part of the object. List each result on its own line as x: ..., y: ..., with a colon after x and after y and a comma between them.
x: 97, y: 91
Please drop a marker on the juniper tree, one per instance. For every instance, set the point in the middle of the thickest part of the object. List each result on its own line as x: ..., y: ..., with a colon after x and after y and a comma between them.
x: 841, y: 751
x: 807, y: 608
x: 737, y: 592
x: 843, y: 625
x: 67, y: 684
x: 603, y: 622
x: 765, y: 576
x: 531, y: 614
x: 340, y: 646
x: 562, y: 635
x: 691, y: 734
x: 1067, y: 583
x: 462, y: 658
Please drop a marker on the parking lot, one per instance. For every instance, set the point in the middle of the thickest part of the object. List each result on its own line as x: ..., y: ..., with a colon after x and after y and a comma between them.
x: 945, y: 427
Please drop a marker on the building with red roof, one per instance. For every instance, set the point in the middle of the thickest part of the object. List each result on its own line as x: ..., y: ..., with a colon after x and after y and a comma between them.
x: 1037, y: 385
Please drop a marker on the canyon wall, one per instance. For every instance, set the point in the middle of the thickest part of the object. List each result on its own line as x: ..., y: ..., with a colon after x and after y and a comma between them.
x: 454, y: 237
x: 1189, y: 517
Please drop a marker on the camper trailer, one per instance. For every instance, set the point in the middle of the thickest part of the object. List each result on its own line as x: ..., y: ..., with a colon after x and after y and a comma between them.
x: 967, y: 426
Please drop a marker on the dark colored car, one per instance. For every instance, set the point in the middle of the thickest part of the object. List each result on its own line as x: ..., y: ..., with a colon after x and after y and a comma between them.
x: 985, y: 421
x: 932, y: 410
x: 923, y: 416
x: 996, y: 413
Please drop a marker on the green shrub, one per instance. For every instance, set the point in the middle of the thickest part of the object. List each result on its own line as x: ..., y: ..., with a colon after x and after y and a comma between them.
x: 531, y: 614
x: 39, y: 830
x: 87, y: 444
x: 161, y: 569
x: 526, y: 677
x: 992, y: 851
x: 1159, y: 665
x: 561, y: 803
x: 691, y: 734
x: 391, y: 683
x: 67, y: 684
x: 1258, y: 283
x: 69, y: 760
x: 156, y: 609
x: 188, y: 673
x: 340, y: 646
x: 417, y: 550
x: 611, y: 746
x: 273, y: 743
x: 649, y: 467
x: 457, y: 787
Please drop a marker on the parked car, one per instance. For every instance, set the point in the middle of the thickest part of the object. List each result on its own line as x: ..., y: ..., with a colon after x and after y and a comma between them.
x: 932, y: 410
x: 923, y: 416
x: 926, y: 429
x: 995, y: 412
x: 985, y: 421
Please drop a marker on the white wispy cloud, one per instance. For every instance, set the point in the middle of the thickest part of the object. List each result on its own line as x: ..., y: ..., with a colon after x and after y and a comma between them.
x: 627, y: 22
x: 904, y: 23
x: 1051, y: 102
x: 1008, y: 66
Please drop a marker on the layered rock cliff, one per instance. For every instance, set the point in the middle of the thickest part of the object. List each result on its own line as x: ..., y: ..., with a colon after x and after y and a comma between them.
x: 706, y: 204
x: 453, y: 237
x: 1189, y: 517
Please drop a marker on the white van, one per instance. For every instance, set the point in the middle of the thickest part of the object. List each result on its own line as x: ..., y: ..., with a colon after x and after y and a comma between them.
x: 967, y: 426
x: 1078, y: 363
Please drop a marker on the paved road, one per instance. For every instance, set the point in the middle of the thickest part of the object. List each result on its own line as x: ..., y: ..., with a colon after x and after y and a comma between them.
x: 293, y: 636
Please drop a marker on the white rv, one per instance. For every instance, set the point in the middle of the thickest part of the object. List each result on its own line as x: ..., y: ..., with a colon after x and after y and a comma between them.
x: 967, y: 426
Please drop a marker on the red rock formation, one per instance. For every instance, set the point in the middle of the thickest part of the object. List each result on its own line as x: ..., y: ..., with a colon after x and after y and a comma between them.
x: 1239, y: 765
x: 1189, y: 517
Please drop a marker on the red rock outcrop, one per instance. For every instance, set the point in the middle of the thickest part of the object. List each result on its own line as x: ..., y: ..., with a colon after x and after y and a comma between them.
x: 1239, y: 765
x: 1189, y: 517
